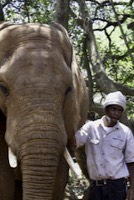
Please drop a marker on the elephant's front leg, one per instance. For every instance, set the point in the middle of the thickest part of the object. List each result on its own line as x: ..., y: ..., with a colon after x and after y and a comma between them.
x: 7, y: 182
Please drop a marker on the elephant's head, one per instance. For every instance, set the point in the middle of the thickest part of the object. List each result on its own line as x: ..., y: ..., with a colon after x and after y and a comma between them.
x: 43, y: 96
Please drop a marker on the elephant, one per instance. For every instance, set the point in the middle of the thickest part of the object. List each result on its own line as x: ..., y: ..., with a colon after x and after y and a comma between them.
x: 44, y: 98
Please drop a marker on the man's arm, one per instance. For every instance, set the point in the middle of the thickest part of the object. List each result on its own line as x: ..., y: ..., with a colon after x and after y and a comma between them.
x: 130, y: 195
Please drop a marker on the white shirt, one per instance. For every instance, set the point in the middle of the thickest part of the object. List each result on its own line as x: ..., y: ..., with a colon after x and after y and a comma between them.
x: 108, y: 149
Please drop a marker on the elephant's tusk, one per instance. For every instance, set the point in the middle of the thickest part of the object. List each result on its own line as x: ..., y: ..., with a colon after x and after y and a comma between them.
x: 13, y: 161
x: 12, y: 158
x: 75, y: 169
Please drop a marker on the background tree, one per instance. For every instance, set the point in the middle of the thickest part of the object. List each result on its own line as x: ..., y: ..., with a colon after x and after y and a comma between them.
x: 102, y: 33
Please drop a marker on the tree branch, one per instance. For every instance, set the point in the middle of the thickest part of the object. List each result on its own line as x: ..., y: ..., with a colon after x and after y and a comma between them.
x: 121, y: 29
x: 62, y: 12
x: 1, y: 13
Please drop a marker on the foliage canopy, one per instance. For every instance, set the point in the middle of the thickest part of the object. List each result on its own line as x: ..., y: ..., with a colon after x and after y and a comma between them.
x: 102, y: 33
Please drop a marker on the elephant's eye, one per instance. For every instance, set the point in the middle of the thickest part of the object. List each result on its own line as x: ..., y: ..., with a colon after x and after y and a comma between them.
x: 68, y: 90
x: 4, y: 89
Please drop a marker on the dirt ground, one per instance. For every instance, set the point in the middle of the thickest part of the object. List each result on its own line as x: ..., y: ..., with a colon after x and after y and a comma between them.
x: 76, y: 187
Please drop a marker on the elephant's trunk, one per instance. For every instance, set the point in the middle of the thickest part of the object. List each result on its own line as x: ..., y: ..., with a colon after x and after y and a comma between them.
x: 39, y: 146
x: 38, y: 140
x: 39, y: 163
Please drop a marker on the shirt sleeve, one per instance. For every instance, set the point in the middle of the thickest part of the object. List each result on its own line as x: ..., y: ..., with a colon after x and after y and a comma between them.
x: 129, y: 151
x: 82, y: 135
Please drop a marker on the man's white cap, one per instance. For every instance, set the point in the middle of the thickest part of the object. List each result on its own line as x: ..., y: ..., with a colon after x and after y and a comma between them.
x: 115, y: 98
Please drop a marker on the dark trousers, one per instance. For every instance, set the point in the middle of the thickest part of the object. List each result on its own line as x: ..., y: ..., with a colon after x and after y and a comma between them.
x: 112, y: 190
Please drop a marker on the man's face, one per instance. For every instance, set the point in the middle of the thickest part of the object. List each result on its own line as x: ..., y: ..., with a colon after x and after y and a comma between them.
x: 114, y: 112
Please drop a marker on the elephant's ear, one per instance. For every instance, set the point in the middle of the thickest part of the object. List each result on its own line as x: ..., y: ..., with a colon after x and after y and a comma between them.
x: 71, y: 112
x: 76, y: 98
x: 60, y: 27
x: 4, y: 25
x: 65, y: 42
x: 76, y: 101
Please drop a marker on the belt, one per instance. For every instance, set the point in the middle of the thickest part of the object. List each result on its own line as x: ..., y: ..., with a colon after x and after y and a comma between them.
x: 106, y: 181
x: 101, y: 182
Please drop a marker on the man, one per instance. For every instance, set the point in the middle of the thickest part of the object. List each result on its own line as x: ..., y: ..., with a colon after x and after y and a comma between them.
x: 109, y: 147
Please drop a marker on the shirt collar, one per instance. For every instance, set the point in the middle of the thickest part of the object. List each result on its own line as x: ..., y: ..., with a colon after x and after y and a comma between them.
x: 101, y: 122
